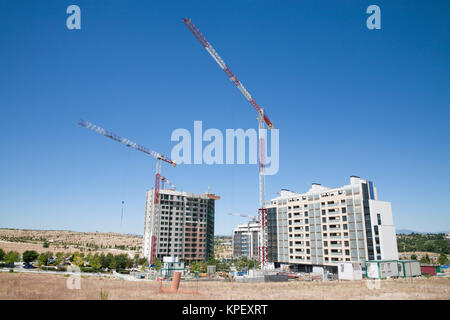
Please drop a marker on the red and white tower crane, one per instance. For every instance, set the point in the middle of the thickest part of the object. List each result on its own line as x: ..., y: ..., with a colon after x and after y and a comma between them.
x: 152, y: 220
x: 262, y: 118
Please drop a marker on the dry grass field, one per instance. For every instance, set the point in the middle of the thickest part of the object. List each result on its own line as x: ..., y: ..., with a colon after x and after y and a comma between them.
x: 42, y: 286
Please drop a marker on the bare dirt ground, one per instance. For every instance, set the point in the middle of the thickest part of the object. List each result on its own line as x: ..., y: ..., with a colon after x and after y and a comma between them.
x: 42, y: 286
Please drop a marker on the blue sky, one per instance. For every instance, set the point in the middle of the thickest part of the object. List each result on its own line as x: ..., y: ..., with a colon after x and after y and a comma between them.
x: 347, y: 101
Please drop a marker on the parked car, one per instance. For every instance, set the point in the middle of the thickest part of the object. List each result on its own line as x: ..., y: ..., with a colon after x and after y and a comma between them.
x: 28, y: 266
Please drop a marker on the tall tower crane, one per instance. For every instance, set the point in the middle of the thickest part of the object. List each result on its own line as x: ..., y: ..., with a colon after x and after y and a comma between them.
x: 262, y: 119
x: 152, y: 220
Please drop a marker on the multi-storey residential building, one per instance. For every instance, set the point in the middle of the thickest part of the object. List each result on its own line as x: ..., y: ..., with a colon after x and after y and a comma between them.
x: 245, y: 240
x: 186, y: 227
x: 329, y: 225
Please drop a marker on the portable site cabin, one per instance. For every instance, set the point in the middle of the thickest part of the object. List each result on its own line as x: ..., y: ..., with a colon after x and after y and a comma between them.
x: 349, y: 271
x: 381, y: 269
x: 170, y: 265
x: 409, y: 268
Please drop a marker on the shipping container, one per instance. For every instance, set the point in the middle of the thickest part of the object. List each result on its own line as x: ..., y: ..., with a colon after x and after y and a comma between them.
x: 409, y: 268
x: 381, y: 269
x: 349, y: 271
x: 429, y: 269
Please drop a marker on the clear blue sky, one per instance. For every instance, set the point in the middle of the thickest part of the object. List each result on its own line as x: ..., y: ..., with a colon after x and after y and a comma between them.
x: 347, y: 101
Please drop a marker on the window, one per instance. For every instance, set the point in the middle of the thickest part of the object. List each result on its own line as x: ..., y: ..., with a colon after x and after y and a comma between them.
x: 344, y: 218
x: 324, y: 219
x: 324, y: 228
x: 323, y: 212
x: 344, y: 210
x: 379, y: 218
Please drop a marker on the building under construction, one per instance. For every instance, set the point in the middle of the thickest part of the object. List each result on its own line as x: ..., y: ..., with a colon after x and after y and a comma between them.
x: 186, y: 225
x: 327, y: 226
x: 245, y: 240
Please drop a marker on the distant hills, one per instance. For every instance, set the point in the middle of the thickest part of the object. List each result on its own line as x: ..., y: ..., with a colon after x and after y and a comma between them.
x: 407, y: 231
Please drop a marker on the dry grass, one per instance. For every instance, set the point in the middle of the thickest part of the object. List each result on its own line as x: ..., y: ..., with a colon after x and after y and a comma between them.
x: 67, y: 241
x: 41, y: 286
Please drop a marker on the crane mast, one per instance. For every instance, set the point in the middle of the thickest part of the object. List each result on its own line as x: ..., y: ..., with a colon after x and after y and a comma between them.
x: 152, y: 220
x: 262, y: 118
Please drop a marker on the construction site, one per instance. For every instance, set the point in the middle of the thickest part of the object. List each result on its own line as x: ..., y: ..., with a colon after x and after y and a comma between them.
x: 323, y: 234
x: 323, y: 243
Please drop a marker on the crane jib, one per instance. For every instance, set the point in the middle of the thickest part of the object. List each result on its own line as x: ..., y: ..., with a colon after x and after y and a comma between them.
x: 213, y: 53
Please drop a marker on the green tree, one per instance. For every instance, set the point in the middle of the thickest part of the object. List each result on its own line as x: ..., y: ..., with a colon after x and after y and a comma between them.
x: 95, y: 261
x: 442, y: 258
x: 245, y: 263
x: 122, y: 261
x: 44, y: 258
x: 46, y: 244
x: 198, y: 266
x: 112, y: 264
x: 2, y: 254
x: 29, y: 256
x: 106, y: 260
x: 142, y: 262
x: 425, y: 259
x: 59, y: 258
x: 78, y: 259
x: 413, y: 257
x: 158, y: 264
x: 12, y: 256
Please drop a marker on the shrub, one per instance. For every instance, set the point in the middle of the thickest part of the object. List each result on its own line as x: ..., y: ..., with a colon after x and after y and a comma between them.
x: 124, y: 271
x: 103, y: 295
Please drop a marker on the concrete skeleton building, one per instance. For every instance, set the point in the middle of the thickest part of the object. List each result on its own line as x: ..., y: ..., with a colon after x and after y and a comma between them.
x: 326, y: 226
x: 245, y: 240
x: 186, y: 228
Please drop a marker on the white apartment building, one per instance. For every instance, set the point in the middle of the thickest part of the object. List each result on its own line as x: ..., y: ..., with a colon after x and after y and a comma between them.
x: 245, y: 240
x: 186, y: 226
x: 325, y: 226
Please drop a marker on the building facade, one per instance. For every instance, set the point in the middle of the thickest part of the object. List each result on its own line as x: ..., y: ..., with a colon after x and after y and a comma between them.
x: 186, y: 225
x: 245, y: 240
x: 325, y: 226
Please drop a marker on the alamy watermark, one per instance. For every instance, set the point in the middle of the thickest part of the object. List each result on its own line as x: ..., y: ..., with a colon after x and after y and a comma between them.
x: 190, y: 149
x: 74, y: 280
